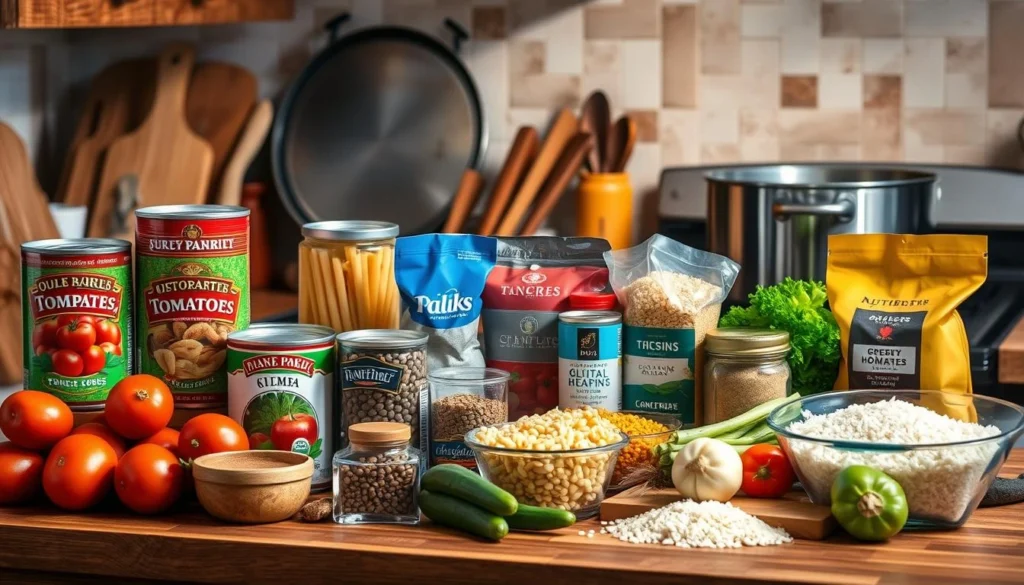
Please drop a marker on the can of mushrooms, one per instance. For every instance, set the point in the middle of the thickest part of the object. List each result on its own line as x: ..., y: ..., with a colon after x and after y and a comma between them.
x: 192, y: 263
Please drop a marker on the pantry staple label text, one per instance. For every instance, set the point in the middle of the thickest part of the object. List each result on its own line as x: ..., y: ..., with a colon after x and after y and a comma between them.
x: 658, y: 371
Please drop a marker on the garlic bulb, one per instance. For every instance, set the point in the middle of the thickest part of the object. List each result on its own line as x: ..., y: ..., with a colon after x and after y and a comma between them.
x: 707, y: 469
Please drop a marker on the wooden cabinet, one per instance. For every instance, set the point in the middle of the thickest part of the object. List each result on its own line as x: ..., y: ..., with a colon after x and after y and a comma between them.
x: 108, y: 13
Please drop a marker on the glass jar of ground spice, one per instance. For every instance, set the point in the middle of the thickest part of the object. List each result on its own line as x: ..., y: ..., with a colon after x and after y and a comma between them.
x: 744, y: 368
x: 376, y: 478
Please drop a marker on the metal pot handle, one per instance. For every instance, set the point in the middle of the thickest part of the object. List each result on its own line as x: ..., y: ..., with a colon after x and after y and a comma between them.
x: 843, y: 210
x: 333, y: 26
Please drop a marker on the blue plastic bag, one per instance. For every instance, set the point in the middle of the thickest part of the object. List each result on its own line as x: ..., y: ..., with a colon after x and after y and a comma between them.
x: 441, y: 278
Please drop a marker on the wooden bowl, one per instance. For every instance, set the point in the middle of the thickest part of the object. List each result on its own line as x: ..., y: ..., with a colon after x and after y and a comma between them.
x: 253, y: 487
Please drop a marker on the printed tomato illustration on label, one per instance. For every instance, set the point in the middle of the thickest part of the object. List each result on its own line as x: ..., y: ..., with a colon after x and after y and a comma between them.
x: 77, y: 313
x: 193, y: 268
x: 280, y: 382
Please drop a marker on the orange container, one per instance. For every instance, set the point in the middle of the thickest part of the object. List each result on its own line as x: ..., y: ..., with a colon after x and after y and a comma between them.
x: 605, y: 208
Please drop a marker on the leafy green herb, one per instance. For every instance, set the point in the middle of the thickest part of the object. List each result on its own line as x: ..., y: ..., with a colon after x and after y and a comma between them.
x: 796, y: 306
x: 316, y: 449
x: 270, y: 406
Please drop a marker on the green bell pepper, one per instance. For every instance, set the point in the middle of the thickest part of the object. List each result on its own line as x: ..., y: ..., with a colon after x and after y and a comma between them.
x: 868, y: 504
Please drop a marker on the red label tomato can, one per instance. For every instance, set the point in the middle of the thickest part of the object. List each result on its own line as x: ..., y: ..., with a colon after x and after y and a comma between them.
x: 76, y: 318
x: 281, y: 390
x: 193, y: 290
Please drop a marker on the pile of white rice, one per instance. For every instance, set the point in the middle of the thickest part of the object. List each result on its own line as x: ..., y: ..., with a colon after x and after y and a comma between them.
x: 939, y: 483
x: 690, y: 524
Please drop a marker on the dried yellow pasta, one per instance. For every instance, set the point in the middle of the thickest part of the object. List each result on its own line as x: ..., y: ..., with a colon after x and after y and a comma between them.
x: 332, y: 294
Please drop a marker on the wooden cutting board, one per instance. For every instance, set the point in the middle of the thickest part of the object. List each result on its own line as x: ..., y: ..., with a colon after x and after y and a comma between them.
x: 1011, y: 356
x: 220, y: 100
x: 26, y: 206
x: 172, y: 163
x: 118, y: 101
x: 795, y: 513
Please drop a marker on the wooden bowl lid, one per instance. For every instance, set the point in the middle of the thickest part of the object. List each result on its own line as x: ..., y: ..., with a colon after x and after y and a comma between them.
x: 253, y: 467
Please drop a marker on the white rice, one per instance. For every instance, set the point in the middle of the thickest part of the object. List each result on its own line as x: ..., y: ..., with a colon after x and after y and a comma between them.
x: 939, y: 483
x: 690, y: 524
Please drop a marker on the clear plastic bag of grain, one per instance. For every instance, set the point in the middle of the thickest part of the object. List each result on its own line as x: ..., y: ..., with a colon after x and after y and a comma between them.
x: 672, y: 295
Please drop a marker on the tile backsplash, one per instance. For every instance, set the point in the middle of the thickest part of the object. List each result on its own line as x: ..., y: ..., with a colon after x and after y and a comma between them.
x: 709, y: 81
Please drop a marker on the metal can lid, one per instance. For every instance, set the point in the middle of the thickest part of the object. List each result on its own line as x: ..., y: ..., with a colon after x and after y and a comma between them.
x: 77, y: 246
x: 382, y: 339
x: 379, y: 433
x: 350, y: 230
x: 746, y: 341
x: 282, y: 334
x: 192, y: 212
x: 590, y: 317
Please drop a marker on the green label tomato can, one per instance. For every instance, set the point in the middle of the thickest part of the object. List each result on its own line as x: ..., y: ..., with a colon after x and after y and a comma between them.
x: 76, y: 318
x: 590, y: 359
x: 193, y: 290
x: 281, y: 390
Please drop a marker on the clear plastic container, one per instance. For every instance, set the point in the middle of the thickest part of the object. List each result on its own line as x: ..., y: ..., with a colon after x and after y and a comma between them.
x: 377, y: 477
x: 462, y: 399
x: 347, y: 275
x: 743, y: 369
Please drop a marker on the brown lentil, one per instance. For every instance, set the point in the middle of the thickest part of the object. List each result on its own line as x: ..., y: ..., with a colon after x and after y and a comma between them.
x: 454, y: 416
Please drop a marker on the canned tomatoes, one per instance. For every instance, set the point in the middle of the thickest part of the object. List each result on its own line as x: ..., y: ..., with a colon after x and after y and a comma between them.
x: 193, y: 290
x: 590, y: 359
x: 280, y: 389
x: 77, y: 316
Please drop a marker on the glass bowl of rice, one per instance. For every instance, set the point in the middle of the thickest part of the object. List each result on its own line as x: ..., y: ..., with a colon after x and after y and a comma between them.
x: 944, y: 449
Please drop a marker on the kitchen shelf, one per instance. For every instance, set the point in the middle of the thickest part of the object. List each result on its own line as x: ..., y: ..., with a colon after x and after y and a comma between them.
x: 118, y: 13
x: 113, y: 546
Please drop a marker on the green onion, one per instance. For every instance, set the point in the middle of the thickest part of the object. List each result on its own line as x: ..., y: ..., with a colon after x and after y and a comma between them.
x: 754, y: 415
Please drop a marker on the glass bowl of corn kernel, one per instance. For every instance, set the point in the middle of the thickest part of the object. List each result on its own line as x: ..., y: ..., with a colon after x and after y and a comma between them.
x: 645, y: 430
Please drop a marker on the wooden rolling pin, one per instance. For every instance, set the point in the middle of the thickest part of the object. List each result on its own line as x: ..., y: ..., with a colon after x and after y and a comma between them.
x: 568, y: 164
x: 465, y: 199
x: 559, y: 135
x: 520, y: 157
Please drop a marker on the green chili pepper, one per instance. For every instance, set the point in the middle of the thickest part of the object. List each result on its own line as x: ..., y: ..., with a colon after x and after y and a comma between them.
x: 868, y: 504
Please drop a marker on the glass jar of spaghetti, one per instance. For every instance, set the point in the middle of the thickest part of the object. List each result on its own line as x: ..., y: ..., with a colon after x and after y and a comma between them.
x: 347, y: 275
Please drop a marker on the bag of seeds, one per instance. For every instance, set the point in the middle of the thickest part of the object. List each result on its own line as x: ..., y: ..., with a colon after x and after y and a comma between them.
x: 440, y: 278
x: 672, y: 296
x: 526, y: 291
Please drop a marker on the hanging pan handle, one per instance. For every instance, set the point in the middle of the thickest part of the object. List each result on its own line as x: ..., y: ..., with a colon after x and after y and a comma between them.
x: 459, y: 34
x: 843, y: 210
x: 333, y: 26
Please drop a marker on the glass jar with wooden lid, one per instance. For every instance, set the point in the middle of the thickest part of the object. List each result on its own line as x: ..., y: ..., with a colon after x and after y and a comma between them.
x: 347, y: 275
x: 376, y: 478
x: 743, y: 369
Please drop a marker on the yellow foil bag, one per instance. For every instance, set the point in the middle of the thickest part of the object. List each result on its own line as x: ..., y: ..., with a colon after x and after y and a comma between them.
x: 895, y: 298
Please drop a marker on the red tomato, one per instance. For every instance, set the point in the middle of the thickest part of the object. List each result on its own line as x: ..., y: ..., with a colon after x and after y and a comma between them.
x: 148, y: 479
x: 107, y: 332
x: 21, y: 474
x: 210, y: 433
x: 547, y: 394
x: 139, y: 406
x: 69, y: 319
x: 41, y: 349
x: 79, y: 472
x: 67, y: 363
x: 77, y: 336
x: 109, y: 347
x: 93, y: 360
x: 522, y: 384
x: 257, y: 439
x: 766, y: 472
x: 35, y: 420
x: 290, y: 428
x: 165, y: 437
x: 98, y: 429
x: 45, y: 333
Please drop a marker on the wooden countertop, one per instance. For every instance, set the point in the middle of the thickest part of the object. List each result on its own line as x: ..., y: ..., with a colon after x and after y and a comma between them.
x: 192, y: 546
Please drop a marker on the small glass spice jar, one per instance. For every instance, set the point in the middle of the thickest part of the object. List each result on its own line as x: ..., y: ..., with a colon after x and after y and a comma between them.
x: 743, y: 369
x: 347, y: 275
x: 376, y: 478
x: 463, y: 398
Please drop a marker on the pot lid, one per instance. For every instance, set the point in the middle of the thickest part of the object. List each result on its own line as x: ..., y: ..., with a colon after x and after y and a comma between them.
x: 381, y: 125
x: 818, y: 176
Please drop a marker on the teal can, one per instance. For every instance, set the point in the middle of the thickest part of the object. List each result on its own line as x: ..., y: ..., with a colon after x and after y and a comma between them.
x: 590, y: 359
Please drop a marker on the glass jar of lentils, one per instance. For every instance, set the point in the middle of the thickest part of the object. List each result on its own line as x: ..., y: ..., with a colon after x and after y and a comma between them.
x: 376, y: 478
x: 384, y: 379
x: 463, y: 398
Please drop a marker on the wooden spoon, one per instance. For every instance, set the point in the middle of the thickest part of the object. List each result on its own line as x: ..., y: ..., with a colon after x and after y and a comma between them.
x: 465, y: 200
x: 249, y: 144
x: 595, y: 119
x: 520, y: 157
x: 621, y: 140
x: 568, y: 163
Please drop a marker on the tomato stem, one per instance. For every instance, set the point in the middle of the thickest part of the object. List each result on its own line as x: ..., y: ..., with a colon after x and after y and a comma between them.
x: 764, y: 472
